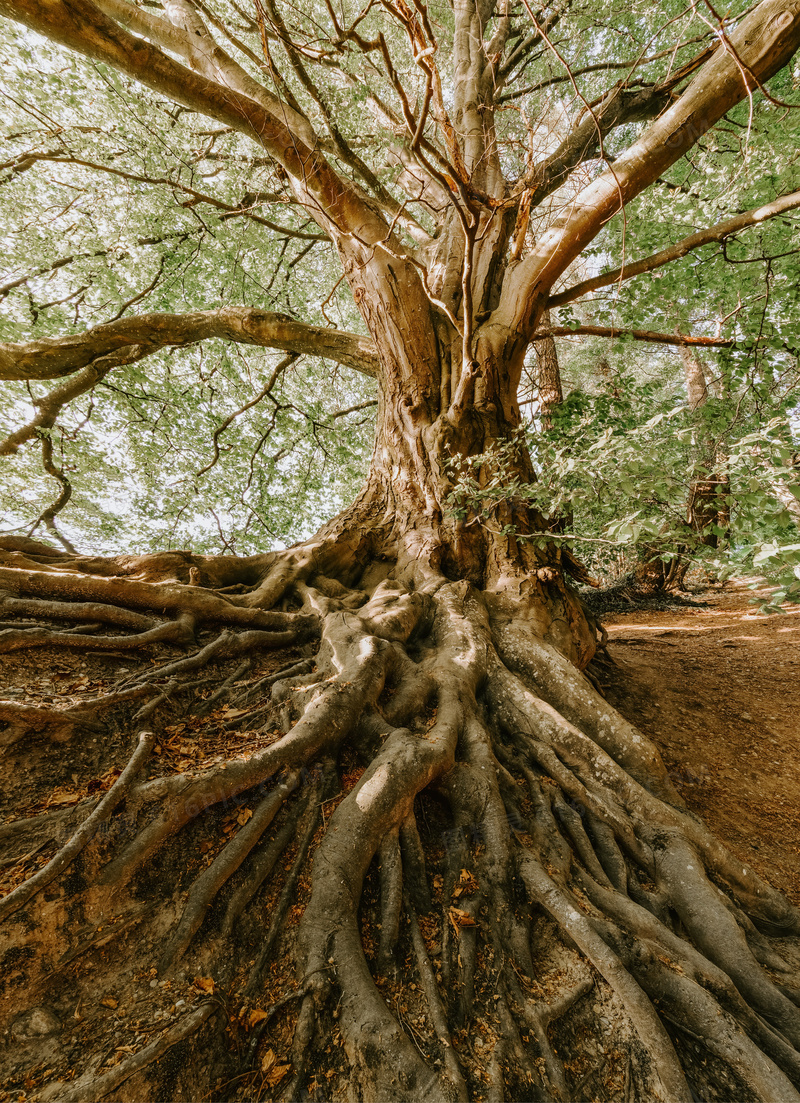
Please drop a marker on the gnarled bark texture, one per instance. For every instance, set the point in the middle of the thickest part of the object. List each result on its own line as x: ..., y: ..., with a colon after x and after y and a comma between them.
x: 366, y: 829
x: 480, y: 873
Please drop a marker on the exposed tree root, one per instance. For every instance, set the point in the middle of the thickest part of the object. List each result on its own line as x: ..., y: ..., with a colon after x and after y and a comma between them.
x: 91, y: 1087
x: 221, y: 869
x: 116, y: 794
x: 59, y: 723
x: 439, y: 865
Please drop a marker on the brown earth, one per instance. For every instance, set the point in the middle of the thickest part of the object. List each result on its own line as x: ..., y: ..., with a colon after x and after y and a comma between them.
x: 717, y: 687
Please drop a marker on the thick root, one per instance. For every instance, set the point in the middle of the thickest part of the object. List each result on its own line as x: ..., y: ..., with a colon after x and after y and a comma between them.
x: 423, y: 859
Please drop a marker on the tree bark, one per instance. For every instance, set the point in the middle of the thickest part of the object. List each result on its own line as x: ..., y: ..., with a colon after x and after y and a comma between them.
x: 548, y: 375
x: 402, y: 838
x: 707, y: 498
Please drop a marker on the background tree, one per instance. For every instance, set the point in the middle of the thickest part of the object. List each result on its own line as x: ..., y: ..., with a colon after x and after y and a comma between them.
x: 491, y: 842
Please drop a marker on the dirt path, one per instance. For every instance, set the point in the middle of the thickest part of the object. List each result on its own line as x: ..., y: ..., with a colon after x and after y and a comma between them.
x: 718, y: 689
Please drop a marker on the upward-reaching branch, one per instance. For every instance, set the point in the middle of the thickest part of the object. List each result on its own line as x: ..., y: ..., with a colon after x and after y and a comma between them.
x: 187, y: 36
x: 79, y: 24
x: 759, y: 48
x: 383, y: 281
x: 718, y: 232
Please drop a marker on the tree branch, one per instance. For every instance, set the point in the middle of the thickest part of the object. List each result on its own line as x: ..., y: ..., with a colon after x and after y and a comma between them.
x: 54, y: 357
x: 632, y: 64
x: 240, y: 210
x: 765, y: 40
x: 195, y: 45
x: 50, y: 406
x: 379, y: 273
x: 653, y: 336
x: 718, y: 232
x: 583, y: 143
x: 265, y: 390
x: 80, y: 25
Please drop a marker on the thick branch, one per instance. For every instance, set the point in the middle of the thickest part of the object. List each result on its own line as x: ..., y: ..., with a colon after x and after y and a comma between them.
x: 764, y: 42
x: 53, y: 357
x: 584, y: 142
x: 195, y: 45
x: 82, y: 26
x: 718, y: 232
x: 50, y: 406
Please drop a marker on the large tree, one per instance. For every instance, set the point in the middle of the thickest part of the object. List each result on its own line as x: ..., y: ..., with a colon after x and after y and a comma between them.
x: 502, y: 894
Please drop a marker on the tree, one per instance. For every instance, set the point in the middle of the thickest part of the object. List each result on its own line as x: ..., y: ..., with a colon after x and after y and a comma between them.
x: 491, y: 842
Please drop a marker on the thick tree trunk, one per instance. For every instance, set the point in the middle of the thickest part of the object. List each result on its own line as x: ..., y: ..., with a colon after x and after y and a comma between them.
x: 374, y: 831
x: 414, y: 855
x: 356, y: 823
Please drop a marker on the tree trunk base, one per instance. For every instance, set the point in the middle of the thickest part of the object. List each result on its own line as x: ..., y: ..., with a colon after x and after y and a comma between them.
x: 374, y: 836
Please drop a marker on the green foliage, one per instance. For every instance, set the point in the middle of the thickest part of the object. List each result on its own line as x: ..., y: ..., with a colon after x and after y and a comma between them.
x: 134, y: 204
x: 284, y: 467
x: 617, y: 468
x: 119, y: 205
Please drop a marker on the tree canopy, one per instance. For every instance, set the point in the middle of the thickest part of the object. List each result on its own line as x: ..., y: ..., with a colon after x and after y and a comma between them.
x: 120, y: 202
x: 286, y: 275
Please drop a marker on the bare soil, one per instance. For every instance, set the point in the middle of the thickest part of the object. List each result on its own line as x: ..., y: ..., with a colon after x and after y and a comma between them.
x: 717, y: 687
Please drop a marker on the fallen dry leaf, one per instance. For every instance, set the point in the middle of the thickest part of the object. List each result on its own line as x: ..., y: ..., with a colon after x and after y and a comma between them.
x: 256, y: 1016
x: 466, y: 884
x: 273, y: 1070
x: 244, y: 816
x: 460, y: 918
x: 278, y: 1074
x: 60, y: 796
x: 205, y: 984
x: 109, y: 1001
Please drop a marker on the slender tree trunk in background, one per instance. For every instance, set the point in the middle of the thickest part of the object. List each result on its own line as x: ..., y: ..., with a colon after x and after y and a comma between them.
x: 548, y: 375
x: 606, y: 374
x: 707, y: 492
x: 551, y: 394
x: 721, y: 387
x: 789, y: 494
x: 702, y: 508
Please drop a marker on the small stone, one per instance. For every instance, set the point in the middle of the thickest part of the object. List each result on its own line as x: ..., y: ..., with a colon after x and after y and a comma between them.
x: 154, y: 983
x: 746, y: 716
x: 37, y: 1022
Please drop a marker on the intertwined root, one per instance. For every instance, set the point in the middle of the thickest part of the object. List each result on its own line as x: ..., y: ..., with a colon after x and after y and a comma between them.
x: 479, y: 873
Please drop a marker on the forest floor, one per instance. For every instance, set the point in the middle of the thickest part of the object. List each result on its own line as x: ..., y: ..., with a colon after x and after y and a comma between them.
x: 716, y: 685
